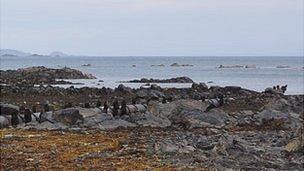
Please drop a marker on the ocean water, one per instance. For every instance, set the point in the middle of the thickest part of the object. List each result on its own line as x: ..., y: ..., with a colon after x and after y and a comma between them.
x: 205, y: 69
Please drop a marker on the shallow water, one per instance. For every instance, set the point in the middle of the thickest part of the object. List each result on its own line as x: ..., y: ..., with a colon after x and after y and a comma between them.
x: 204, y: 69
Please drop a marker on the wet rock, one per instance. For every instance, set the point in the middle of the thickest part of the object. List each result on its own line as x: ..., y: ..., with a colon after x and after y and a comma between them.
x: 8, y: 109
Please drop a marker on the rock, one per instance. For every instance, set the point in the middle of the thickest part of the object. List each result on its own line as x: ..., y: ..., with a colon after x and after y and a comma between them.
x: 8, y: 109
x: 231, y: 66
x: 123, y: 88
x: 290, y: 120
x: 167, y: 148
x: 197, y: 118
x: 149, y: 94
x: 180, y: 65
x: 296, y: 144
x: 114, y: 123
x: 250, y: 66
x: 171, y: 80
x: 172, y: 108
x: 200, y: 86
x: 46, y: 126
x: 232, y: 88
x: 4, y: 122
x: 47, y: 116
x: 94, y: 120
x: 68, y: 116
x: 148, y: 119
x: 155, y: 87
x: 270, y: 90
x: 159, y: 65
x: 186, y: 149
x: 89, y: 112
x: 41, y: 75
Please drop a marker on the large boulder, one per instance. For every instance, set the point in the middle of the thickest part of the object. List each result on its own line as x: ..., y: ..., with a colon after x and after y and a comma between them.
x: 88, y: 112
x: 4, y: 122
x: 196, y: 118
x: 96, y: 119
x: 200, y: 86
x: 291, y: 120
x: 123, y: 88
x: 189, y: 113
x: 68, y: 116
x: 8, y: 109
x: 149, y: 94
x: 71, y: 115
x: 172, y: 108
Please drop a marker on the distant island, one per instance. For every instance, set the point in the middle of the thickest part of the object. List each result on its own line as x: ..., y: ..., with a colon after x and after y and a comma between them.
x: 13, y: 52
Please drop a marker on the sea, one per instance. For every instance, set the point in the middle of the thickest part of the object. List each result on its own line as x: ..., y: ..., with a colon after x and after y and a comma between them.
x: 261, y: 72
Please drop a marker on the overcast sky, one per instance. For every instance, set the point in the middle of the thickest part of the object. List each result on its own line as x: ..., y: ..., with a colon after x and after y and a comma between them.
x: 154, y: 27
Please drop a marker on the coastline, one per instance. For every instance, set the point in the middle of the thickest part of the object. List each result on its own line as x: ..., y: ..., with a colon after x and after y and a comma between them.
x: 200, y: 126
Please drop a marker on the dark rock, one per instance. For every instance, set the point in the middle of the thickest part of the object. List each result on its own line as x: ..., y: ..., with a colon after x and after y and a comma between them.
x: 8, y: 109
x: 123, y: 88
x: 200, y: 86
x: 232, y: 88
x: 68, y: 116
x: 171, y: 80
x: 4, y: 122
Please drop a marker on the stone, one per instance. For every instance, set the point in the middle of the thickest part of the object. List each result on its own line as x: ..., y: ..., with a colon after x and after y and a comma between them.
x: 114, y: 123
x: 200, y: 86
x: 8, y: 109
x: 232, y: 88
x: 68, y: 116
x: 197, y: 118
x: 148, y: 119
x: 167, y: 148
x: 4, y: 122
x: 96, y: 119
x: 123, y: 88
x: 170, y: 80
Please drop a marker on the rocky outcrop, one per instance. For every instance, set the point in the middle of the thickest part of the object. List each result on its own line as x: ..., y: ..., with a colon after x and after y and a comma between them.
x: 8, y: 109
x: 41, y: 75
x: 171, y: 80
x: 180, y: 65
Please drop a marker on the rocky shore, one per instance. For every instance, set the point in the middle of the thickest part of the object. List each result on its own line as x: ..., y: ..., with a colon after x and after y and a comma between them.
x: 212, y: 128
x: 41, y: 75
x: 171, y: 80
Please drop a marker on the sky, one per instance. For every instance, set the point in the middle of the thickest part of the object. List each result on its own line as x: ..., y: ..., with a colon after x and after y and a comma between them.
x: 154, y: 27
